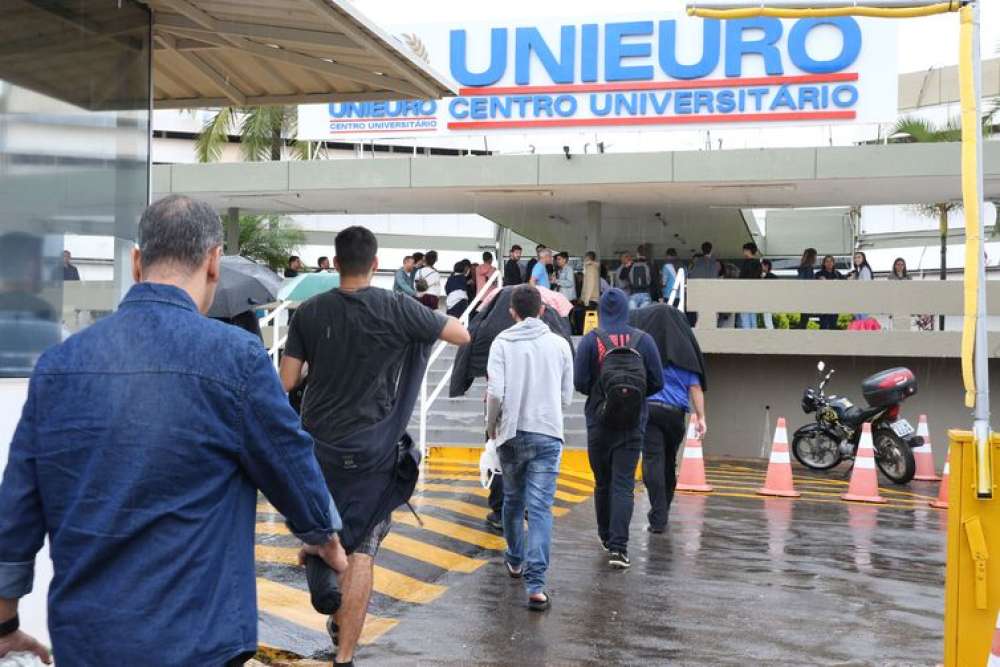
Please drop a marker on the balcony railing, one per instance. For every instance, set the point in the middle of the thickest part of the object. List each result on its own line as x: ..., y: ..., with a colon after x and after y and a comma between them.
x: 893, y: 303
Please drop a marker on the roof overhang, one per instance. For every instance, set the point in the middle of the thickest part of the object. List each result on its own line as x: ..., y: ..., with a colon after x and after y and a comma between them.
x: 216, y: 52
x: 660, y: 197
x: 207, y: 53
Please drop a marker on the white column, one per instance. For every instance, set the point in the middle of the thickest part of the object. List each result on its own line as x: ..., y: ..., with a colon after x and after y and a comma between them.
x: 593, y: 232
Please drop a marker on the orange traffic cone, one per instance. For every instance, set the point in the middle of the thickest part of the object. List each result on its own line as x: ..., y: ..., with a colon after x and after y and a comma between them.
x: 864, y: 478
x: 924, y: 455
x: 692, y: 477
x: 942, y: 500
x: 779, y: 470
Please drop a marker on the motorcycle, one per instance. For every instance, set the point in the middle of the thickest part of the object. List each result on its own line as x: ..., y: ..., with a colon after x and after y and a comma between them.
x: 835, y: 434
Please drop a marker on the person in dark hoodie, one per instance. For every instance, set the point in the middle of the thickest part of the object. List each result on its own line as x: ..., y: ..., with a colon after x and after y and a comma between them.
x: 682, y: 393
x: 614, y: 453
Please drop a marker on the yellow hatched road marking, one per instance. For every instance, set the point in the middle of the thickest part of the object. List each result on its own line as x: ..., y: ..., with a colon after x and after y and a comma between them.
x: 805, y: 493
x: 387, y: 582
x: 480, y: 491
x: 407, y: 546
x: 272, y: 528
x: 428, y: 553
x: 468, y: 509
x: 293, y: 605
x: 584, y: 477
x: 807, y: 499
x: 437, y: 473
x: 811, y: 481
x: 453, y: 530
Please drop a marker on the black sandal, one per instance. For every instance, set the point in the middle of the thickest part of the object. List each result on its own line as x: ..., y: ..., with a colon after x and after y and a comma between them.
x: 539, y: 605
x: 514, y: 573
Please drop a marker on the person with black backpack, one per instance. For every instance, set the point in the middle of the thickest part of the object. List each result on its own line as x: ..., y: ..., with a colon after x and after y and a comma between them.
x: 617, y: 367
x: 641, y: 280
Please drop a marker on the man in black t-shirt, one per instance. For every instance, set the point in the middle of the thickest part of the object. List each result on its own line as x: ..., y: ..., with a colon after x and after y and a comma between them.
x: 354, y: 340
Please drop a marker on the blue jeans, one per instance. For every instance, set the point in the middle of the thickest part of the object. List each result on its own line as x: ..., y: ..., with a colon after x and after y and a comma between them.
x: 748, y: 320
x: 640, y: 300
x: 530, y: 464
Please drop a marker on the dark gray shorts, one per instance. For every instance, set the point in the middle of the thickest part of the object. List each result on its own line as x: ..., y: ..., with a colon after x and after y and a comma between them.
x: 369, y: 546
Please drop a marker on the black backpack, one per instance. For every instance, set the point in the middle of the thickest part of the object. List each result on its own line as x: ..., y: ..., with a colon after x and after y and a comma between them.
x: 639, y: 278
x: 621, y: 384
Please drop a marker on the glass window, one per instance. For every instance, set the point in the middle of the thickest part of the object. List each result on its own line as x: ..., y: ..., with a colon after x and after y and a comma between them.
x: 74, y: 166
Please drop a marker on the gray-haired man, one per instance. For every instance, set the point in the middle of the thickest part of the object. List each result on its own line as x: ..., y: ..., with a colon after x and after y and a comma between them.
x: 140, y: 450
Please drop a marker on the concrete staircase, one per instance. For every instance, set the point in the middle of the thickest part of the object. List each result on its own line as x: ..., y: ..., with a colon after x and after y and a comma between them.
x: 459, y: 421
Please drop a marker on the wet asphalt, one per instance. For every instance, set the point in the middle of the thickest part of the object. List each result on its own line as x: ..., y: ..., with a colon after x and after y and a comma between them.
x: 734, y: 581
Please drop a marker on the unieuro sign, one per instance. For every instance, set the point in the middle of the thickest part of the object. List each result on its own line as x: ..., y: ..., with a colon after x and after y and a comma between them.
x: 628, y: 74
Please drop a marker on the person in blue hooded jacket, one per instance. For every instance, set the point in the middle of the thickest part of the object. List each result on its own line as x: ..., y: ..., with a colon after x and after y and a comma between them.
x: 614, y: 454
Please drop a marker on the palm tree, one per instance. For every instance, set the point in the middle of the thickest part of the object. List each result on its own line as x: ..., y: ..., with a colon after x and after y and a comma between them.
x: 262, y: 131
x: 920, y: 130
x: 269, y: 239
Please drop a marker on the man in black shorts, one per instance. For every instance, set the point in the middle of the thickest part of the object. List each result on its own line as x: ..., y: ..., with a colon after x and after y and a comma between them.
x: 354, y: 340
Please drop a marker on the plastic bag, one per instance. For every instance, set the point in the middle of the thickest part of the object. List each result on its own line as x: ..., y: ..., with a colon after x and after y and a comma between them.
x: 489, y: 464
x: 20, y: 659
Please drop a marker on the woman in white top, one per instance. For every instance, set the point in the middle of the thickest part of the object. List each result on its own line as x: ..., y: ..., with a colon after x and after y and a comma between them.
x: 429, y: 274
x: 862, y: 271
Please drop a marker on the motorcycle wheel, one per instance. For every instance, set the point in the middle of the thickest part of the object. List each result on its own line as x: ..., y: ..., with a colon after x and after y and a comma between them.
x: 816, y: 450
x: 894, y: 457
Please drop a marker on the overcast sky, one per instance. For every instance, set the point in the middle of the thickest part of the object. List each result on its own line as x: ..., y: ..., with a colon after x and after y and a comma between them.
x: 923, y: 43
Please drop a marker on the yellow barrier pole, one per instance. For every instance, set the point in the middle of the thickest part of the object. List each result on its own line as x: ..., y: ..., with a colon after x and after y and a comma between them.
x: 975, y: 354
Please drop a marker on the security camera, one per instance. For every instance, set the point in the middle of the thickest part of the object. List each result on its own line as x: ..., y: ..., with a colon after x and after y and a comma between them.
x: 566, y: 151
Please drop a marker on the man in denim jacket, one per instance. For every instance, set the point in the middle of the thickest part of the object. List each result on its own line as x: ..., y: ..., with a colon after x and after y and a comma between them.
x: 140, y: 450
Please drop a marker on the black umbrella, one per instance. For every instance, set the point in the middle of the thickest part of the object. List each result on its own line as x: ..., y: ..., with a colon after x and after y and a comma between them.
x: 674, y: 338
x: 470, y: 362
x: 243, y: 285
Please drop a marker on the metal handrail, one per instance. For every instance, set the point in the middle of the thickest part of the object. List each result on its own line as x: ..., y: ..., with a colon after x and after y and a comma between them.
x: 427, y: 401
x: 677, y: 292
x: 277, y: 341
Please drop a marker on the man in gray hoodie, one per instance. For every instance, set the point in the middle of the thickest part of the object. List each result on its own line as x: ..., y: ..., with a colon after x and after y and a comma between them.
x: 530, y: 373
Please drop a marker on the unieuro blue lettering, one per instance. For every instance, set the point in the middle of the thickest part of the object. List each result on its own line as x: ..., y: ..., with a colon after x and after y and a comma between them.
x: 588, y: 52
x: 529, y: 40
x: 459, y: 108
x: 479, y: 108
x: 626, y: 51
x: 565, y: 106
x: 809, y: 97
x: 380, y: 109
x: 615, y: 51
x: 682, y: 102
x: 459, y: 60
x: 711, y: 43
x: 725, y: 102
x: 844, y: 96
x: 783, y: 98
x: 737, y: 46
x: 850, y: 33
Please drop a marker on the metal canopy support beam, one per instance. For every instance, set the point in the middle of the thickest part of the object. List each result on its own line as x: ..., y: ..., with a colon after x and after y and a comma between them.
x: 372, y: 46
x: 312, y: 38
x: 337, y: 70
x: 234, y: 94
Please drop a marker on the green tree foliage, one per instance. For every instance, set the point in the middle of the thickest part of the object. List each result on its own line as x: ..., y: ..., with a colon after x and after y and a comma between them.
x: 263, y: 131
x: 269, y: 239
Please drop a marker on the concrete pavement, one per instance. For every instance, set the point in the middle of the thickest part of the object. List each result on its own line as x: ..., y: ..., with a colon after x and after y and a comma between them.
x: 737, y: 580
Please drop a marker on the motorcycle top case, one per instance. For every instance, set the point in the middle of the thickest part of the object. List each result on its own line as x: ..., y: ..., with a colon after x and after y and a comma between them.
x: 889, y: 387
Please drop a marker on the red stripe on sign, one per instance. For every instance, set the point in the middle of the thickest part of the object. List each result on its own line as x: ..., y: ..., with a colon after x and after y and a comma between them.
x: 385, y: 119
x: 654, y: 120
x: 836, y: 77
x: 387, y: 129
